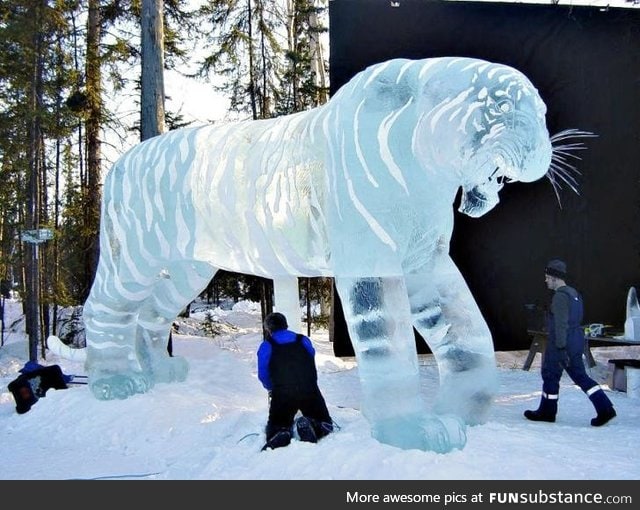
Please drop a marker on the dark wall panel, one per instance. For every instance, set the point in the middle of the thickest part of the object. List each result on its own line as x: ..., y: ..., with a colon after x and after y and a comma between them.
x: 586, y: 64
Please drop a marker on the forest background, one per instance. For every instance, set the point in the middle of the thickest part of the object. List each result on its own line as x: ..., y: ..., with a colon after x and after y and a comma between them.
x: 81, y: 81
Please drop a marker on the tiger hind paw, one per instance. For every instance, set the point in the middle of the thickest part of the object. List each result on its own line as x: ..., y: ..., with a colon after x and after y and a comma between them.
x: 119, y: 386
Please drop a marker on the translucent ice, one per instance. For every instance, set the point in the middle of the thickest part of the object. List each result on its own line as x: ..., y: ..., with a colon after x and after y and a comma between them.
x: 360, y: 189
x: 632, y: 320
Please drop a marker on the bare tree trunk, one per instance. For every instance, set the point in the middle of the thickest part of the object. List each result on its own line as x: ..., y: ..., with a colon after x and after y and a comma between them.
x: 292, y: 41
x: 317, y: 57
x: 79, y: 83
x: 45, y: 281
x: 55, y: 259
x: 266, y: 297
x: 308, y: 289
x: 290, y: 24
x: 93, y: 191
x: 152, y: 89
x: 332, y: 317
x: 266, y: 113
x: 252, y: 71
x: 55, y: 253
x: 325, y: 285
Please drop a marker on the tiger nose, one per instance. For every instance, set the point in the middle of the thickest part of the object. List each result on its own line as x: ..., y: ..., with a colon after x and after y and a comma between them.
x: 537, y: 162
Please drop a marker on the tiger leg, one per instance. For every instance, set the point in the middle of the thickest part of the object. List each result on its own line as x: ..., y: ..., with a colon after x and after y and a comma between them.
x: 446, y: 315
x: 286, y: 297
x: 174, y: 289
x: 110, y: 317
x: 378, y: 318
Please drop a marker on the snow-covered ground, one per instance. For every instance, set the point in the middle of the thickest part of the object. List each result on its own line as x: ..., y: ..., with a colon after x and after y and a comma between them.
x: 210, y: 426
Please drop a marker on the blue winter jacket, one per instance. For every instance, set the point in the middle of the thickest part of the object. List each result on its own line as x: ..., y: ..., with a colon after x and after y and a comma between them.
x: 284, y: 336
x: 564, y: 326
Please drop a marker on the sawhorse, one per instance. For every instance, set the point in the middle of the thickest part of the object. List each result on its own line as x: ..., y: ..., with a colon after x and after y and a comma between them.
x: 539, y: 343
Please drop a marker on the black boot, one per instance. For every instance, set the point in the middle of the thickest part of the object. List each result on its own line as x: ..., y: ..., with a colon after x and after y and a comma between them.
x: 305, y: 430
x: 603, y: 417
x: 603, y: 406
x: 325, y: 428
x: 545, y: 412
x: 281, y: 438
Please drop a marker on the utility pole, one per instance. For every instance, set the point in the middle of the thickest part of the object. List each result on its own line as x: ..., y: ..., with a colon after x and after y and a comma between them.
x: 34, y: 238
x: 32, y: 216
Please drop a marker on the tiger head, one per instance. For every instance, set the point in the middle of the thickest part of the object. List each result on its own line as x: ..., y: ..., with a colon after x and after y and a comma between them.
x: 490, y: 122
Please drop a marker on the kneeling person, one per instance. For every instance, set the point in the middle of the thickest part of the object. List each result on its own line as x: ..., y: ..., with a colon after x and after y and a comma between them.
x: 287, y: 369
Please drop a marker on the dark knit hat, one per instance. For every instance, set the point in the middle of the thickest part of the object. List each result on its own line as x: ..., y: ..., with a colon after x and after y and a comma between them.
x: 556, y: 268
x: 275, y: 322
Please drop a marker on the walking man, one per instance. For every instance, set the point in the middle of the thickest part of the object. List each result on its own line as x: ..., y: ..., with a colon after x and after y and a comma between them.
x: 564, y: 350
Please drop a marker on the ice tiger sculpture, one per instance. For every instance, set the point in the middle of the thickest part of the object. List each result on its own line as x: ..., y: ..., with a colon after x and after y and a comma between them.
x: 360, y: 189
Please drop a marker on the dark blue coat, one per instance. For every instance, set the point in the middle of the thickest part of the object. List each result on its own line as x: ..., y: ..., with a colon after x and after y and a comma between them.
x: 283, y: 336
x: 566, y: 343
x: 565, y: 320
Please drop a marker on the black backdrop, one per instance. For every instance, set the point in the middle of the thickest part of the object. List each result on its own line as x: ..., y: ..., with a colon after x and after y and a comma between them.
x: 585, y: 61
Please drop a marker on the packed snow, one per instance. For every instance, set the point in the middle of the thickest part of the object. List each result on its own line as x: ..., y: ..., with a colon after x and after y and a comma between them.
x: 210, y: 427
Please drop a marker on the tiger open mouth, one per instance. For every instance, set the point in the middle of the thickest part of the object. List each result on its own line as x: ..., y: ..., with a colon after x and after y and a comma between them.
x: 481, y: 198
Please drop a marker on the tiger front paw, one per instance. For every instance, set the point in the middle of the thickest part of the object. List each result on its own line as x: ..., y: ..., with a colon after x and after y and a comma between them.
x: 429, y: 432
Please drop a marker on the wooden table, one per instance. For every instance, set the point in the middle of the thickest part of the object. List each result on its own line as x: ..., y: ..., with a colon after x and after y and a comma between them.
x: 610, y: 340
x: 539, y: 342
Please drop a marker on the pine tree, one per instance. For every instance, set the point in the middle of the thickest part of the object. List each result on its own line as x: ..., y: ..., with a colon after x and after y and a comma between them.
x: 245, y: 53
x: 304, y: 80
x: 32, y: 67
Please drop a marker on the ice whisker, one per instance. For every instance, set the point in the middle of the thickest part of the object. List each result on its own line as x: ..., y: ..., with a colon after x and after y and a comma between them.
x: 561, y: 170
x: 571, y: 133
x: 567, y: 179
x: 560, y: 154
x: 566, y: 166
x: 555, y: 187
